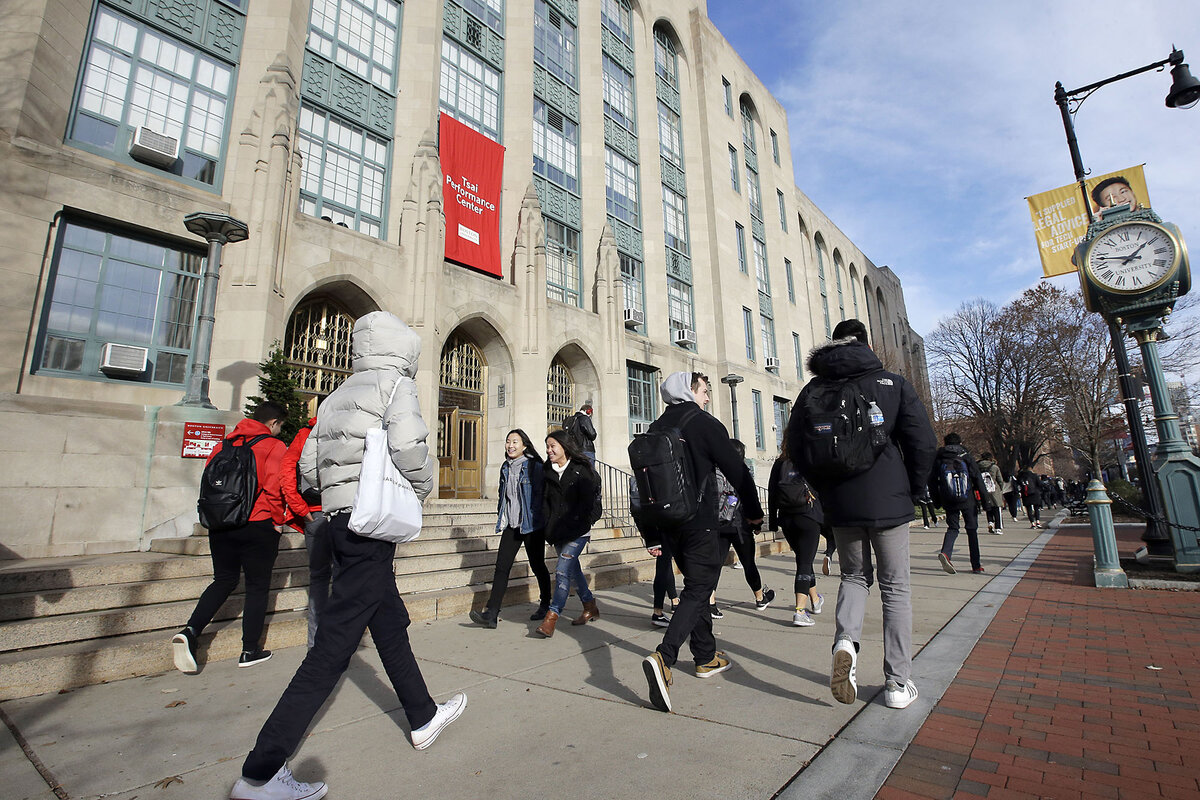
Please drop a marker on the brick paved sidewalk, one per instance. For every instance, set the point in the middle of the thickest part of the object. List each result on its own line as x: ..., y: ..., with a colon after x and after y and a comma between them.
x: 1072, y: 692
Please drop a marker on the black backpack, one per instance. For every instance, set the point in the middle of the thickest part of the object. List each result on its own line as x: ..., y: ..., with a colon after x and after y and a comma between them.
x: 795, y: 495
x: 597, y: 505
x: 838, y: 438
x: 229, y: 486
x: 954, y: 478
x: 666, y: 478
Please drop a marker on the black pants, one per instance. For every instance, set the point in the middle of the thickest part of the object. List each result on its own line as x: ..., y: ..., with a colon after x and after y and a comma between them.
x: 364, y: 596
x: 926, y: 512
x: 699, y: 554
x: 250, y: 550
x: 745, y: 547
x: 804, y: 536
x: 970, y: 516
x: 664, y: 576
x: 535, y: 549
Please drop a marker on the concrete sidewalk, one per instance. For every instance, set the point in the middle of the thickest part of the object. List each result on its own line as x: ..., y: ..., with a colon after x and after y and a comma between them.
x: 565, y: 716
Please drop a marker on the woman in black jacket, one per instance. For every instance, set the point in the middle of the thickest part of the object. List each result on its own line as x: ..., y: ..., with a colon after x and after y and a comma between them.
x: 571, y: 493
x: 794, y: 506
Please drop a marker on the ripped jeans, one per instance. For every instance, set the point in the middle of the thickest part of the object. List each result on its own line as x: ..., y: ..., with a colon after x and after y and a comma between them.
x: 568, y: 569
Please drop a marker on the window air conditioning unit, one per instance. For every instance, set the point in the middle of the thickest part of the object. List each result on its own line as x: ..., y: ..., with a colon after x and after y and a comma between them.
x: 772, y: 363
x: 155, y: 148
x: 640, y: 427
x: 633, y: 317
x: 123, y: 359
x: 685, y: 336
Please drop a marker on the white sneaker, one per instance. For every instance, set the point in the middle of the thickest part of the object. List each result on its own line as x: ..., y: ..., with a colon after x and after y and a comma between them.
x: 801, y: 619
x: 816, y: 607
x: 897, y: 696
x: 825, y: 564
x: 446, y: 713
x: 842, y: 675
x: 282, y: 786
x: 991, y: 528
x: 738, y: 565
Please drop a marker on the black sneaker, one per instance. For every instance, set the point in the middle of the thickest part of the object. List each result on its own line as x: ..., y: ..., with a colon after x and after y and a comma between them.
x: 249, y: 658
x: 486, y: 618
x: 768, y: 596
x: 184, y: 646
x: 660, y: 620
x: 715, y: 612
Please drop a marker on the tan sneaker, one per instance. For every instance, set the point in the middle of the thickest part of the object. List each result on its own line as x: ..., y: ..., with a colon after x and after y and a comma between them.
x: 719, y: 664
x: 658, y: 675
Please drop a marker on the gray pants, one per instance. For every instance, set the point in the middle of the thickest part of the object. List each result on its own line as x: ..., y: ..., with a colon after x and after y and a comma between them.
x: 854, y: 546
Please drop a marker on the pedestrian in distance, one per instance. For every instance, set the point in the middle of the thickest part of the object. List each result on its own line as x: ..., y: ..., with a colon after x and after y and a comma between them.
x: 794, y: 507
x: 519, y: 522
x: 956, y: 483
x: 303, y: 501
x: 693, y: 540
x: 1030, y: 490
x: 868, y: 475
x: 380, y: 391
x: 664, y: 567
x: 243, y: 546
x: 583, y: 430
x: 993, y: 481
x: 570, y: 507
x: 737, y: 534
x: 927, y: 510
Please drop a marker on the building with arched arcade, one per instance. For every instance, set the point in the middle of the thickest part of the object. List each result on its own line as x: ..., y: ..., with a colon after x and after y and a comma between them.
x: 648, y: 220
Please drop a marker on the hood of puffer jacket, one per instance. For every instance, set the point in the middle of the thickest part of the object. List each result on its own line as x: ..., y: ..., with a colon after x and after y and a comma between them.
x: 951, y: 450
x: 382, y: 340
x: 677, y: 388
x: 843, y: 358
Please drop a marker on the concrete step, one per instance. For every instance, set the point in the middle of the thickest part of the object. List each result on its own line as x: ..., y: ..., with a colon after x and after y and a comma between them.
x: 46, y: 631
x: 82, y: 599
x: 198, y: 545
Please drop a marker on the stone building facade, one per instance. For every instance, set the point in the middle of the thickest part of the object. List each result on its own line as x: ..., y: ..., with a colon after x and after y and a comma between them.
x: 649, y: 221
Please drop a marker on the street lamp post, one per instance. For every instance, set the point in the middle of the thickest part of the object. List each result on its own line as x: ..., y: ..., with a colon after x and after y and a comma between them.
x: 217, y: 229
x: 1185, y: 92
x: 732, y: 381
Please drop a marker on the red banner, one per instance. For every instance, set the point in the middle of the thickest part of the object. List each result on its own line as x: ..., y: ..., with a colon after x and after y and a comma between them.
x: 473, y: 166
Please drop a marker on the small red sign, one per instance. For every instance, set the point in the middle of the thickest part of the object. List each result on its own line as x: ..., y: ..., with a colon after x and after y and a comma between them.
x: 201, y: 438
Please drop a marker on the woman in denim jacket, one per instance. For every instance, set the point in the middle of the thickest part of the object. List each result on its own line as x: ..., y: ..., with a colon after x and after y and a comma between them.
x: 518, y: 519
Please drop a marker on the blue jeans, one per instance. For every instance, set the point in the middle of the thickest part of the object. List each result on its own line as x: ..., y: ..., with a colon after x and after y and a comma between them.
x: 566, y: 570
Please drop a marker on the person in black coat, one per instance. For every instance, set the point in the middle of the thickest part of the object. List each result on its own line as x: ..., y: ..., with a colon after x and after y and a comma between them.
x: 967, y: 506
x: 695, y: 544
x: 870, y: 510
x: 568, y: 501
x: 1031, y: 495
x: 802, y: 528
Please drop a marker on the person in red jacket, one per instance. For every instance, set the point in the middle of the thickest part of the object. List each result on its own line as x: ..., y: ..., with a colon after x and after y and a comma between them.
x: 249, y: 549
x: 303, y: 503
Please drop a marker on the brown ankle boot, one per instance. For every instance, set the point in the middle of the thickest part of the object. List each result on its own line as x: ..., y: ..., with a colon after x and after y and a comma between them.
x: 590, y: 612
x: 547, y: 627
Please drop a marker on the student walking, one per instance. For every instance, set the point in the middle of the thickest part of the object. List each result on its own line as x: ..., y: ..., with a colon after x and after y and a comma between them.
x: 993, y: 482
x: 1030, y: 490
x: 793, y: 506
x: 870, y: 509
x: 569, y: 503
x: 385, y: 353
x: 519, y: 521
x: 957, y: 484
x: 247, y: 549
x: 303, y: 501
x: 736, y: 534
x: 694, y: 542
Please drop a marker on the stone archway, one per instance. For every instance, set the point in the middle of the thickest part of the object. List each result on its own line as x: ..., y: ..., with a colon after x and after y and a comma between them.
x: 317, y: 339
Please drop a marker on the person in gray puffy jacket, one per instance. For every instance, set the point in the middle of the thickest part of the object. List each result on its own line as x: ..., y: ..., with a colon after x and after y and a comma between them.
x: 364, y: 594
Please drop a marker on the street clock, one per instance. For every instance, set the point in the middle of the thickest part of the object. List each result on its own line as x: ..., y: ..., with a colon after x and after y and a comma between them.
x: 1132, y: 265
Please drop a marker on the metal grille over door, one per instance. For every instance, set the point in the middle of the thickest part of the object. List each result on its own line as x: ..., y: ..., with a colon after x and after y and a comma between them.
x: 560, y: 395
x: 462, y: 419
x: 317, y: 348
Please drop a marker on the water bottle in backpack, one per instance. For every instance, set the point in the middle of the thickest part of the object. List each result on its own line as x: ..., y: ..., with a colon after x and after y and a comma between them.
x: 878, y: 434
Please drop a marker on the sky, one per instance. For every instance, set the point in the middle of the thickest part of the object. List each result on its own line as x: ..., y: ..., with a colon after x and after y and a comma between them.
x: 920, y: 128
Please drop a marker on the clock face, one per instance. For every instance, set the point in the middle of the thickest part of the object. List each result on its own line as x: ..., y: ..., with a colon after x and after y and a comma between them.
x: 1131, y: 257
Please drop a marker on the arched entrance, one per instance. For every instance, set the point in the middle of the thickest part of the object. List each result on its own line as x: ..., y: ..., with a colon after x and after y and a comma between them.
x: 317, y: 347
x: 462, y: 419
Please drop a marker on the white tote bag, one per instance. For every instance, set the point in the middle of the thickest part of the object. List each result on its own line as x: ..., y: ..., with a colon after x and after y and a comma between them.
x: 385, y: 505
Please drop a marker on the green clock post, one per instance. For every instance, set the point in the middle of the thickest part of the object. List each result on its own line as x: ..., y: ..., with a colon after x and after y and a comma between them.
x: 1132, y: 269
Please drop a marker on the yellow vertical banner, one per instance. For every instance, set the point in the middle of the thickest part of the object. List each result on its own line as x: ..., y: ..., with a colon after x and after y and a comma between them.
x: 1060, y: 218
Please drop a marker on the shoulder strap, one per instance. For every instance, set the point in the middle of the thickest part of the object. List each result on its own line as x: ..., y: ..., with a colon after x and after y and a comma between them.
x: 391, y: 397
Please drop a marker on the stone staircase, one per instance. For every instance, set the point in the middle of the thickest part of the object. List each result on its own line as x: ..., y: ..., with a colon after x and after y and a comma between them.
x: 82, y: 620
